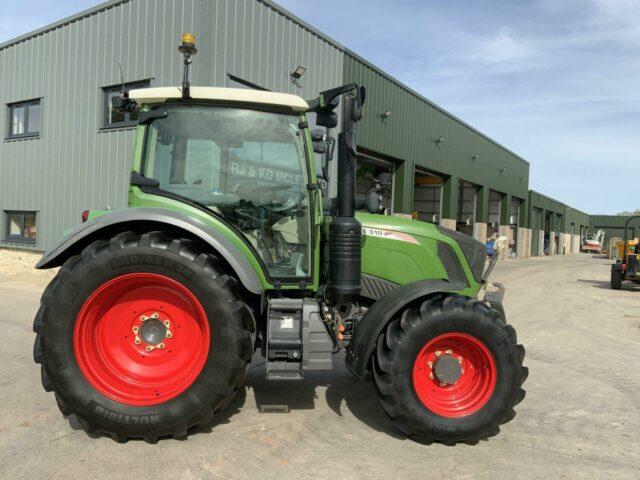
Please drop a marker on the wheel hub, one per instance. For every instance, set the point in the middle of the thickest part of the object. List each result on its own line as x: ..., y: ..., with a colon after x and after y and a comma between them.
x: 448, y: 369
x: 153, y: 331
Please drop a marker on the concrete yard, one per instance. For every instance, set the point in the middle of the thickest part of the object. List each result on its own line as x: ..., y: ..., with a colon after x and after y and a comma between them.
x: 580, y: 419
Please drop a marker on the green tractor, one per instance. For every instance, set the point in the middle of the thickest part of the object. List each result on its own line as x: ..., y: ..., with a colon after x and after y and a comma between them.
x: 228, y: 248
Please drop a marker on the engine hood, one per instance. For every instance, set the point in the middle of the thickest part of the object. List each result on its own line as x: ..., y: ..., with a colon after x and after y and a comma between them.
x: 396, y: 224
x: 401, y: 250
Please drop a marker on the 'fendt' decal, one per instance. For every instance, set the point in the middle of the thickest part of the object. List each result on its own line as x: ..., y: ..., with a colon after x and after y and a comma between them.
x: 389, y: 234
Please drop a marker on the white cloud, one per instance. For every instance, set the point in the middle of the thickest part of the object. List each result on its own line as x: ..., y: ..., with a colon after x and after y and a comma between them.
x: 504, y: 48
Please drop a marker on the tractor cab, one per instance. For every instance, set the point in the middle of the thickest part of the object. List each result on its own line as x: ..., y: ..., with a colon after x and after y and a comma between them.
x: 242, y: 155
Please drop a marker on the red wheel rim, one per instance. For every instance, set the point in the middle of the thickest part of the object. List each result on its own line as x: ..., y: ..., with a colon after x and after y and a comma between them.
x: 473, y: 388
x: 128, y: 364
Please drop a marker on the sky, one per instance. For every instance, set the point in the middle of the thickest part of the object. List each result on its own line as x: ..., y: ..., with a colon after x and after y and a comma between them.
x: 556, y: 81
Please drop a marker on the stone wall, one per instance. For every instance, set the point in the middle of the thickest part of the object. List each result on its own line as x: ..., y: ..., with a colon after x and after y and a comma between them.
x: 524, y: 243
x: 448, y: 223
x: 480, y: 231
x: 575, y: 248
x: 505, y: 231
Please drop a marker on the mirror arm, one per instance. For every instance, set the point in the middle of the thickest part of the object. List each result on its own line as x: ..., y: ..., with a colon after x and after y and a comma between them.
x: 331, y: 145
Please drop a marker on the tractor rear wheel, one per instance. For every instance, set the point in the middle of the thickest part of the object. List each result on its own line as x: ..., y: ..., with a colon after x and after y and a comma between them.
x: 616, y: 278
x: 142, y: 336
x: 449, y: 370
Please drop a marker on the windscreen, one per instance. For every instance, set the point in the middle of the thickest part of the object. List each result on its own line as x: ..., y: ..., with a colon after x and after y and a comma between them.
x: 247, y: 166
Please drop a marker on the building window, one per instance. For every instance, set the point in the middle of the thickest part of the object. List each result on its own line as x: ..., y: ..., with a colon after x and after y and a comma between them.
x: 21, y: 227
x: 115, y: 118
x: 24, y: 119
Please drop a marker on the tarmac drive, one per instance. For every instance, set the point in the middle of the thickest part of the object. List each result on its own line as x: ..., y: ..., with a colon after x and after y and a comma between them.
x: 580, y: 419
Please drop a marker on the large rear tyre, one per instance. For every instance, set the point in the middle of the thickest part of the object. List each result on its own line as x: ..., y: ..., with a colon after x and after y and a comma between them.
x: 142, y: 336
x: 616, y: 278
x: 449, y: 370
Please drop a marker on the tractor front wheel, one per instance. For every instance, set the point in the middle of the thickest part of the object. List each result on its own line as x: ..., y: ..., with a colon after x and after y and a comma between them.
x: 142, y: 336
x: 449, y: 370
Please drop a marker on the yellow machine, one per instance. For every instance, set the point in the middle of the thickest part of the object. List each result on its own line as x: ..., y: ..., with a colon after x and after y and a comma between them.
x: 627, y: 266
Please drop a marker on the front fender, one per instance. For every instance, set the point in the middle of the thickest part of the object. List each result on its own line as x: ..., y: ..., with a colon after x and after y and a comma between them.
x: 382, y: 312
x: 133, y: 217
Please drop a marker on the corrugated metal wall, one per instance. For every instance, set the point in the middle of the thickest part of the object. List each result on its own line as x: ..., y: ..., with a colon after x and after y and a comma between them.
x: 577, y: 217
x: 410, y: 134
x: 563, y: 215
x: 613, y: 225
x: 74, y: 165
x: 254, y: 41
x: 548, y: 205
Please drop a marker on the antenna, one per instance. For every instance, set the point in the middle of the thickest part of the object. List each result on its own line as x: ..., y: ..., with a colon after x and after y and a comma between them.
x: 123, y: 103
x: 125, y: 94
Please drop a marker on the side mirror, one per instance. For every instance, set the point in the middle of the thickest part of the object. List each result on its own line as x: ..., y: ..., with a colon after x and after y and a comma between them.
x: 318, y: 135
x: 327, y: 119
x: 124, y: 104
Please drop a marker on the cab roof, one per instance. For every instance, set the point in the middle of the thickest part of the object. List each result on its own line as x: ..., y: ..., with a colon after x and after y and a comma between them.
x: 145, y: 96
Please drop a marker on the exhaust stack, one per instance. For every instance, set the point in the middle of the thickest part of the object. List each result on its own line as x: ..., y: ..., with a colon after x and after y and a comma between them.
x: 345, y: 232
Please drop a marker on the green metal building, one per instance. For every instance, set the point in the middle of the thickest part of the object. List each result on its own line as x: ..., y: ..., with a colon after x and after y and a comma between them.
x: 556, y: 228
x: 63, y: 150
x: 613, y: 225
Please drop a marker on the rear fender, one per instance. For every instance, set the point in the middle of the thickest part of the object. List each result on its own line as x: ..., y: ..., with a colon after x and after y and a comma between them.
x: 382, y: 312
x: 157, y: 218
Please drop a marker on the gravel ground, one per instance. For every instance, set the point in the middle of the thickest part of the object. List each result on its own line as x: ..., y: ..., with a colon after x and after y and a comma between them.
x: 580, y: 419
x: 21, y: 262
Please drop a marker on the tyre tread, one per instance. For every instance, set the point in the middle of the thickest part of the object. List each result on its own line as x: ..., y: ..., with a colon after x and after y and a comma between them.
x: 401, y: 328
x: 242, y: 318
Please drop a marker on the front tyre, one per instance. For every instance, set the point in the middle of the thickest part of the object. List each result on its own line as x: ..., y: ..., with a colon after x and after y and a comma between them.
x: 449, y: 370
x: 142, y: 336
x: 616, y: 277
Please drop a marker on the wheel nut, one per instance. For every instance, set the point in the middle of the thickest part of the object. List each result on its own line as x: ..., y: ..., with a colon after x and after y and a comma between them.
x: 449, y: 352
x: 167, y: 323
x: 155, y: 315
x: 169, y: 334
x: 438, y: 353
x: 135, y: 329
x: 430, y: 364
x: 459, y: 359
x: 161, y: 345
x: 149, y: 348
x: 143, y: 318
x: 431, y: 375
